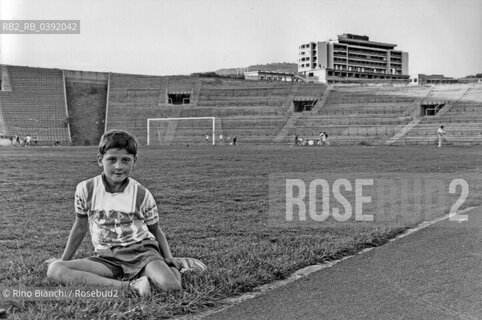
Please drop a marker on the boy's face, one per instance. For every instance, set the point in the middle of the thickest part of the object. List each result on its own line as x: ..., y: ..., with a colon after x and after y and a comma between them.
x: 117, y: 165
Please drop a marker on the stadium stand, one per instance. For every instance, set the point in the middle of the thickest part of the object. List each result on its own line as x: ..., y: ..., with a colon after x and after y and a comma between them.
x: 131, y: 100
x: 264, y: 112
x: 462, y: 121
x: 241, y: 108
x: 353, y: 114
x: 35, y: 104
x: 252, y: 113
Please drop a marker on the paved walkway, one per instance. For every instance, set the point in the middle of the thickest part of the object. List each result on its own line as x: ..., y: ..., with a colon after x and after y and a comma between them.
x: 434, y: 273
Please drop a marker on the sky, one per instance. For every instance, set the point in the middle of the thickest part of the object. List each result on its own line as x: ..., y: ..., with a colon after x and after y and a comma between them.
x: 170, y: 37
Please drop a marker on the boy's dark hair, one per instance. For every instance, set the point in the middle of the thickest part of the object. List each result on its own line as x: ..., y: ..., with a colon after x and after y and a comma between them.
x: 118, y: 139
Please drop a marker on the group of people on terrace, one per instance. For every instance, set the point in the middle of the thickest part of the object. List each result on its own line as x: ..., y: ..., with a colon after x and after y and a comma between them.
x: 321, y: 141
x: 221, y: 141
x: 21, y: 141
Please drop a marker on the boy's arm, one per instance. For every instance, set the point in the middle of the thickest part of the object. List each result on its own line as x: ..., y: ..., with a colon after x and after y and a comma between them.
x: 161, y: 239
x: 163, y: 245
x: 76, y: 236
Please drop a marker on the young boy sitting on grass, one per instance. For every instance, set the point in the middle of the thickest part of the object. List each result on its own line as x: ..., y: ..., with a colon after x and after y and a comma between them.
x: 123, y: 220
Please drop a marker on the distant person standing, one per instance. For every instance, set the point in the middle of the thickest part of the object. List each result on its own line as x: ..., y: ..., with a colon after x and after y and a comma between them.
x: 324, y: 138
x: 221, y: 139
x: 235, y: 138
x: 440, y: 133
x: 207, y: 139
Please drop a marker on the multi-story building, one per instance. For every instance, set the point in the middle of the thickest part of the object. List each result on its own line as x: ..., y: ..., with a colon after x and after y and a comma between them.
x: 353, y: 58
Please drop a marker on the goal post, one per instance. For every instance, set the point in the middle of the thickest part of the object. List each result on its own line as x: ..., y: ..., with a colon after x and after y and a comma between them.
x: 169, y: 131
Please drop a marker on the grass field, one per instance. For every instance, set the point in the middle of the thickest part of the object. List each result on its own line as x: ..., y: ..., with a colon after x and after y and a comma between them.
x: 214, y: 206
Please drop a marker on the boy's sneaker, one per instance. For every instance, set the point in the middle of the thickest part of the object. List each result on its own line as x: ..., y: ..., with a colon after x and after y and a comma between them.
x: 192, y: 265
x: 141, y: 286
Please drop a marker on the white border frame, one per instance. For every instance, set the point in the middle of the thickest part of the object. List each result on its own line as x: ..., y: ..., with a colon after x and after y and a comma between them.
x: 186, y: 118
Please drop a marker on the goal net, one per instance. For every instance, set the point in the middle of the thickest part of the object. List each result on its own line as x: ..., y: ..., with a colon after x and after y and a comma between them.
x: 193, y: 130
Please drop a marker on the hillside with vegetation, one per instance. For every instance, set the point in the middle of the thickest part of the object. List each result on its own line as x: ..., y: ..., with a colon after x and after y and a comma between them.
x: 87, y: 106
x: 278, y: 67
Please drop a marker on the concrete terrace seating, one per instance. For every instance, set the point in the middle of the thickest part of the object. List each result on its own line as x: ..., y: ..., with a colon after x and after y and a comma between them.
x: 346, y: 128
x: 353, y: 114
x: 310, y: 89
x: 462, y: 122
x: 404, y: 91
x: 349, y: 100
x: 222, y: 101
x: 247, y: 129
x: 446, y: 93
x: 267, y: 95
x: 468, y: 108
x: 366, y: 108
x: 256, y: 113
x: 230, y: 111
x: 252, y: 126
x: 350, y: 120
x: 472, y: 97
x: 133, y: 99
x: 35, y: 105
x: 427, y: 133
x: 350, y: 95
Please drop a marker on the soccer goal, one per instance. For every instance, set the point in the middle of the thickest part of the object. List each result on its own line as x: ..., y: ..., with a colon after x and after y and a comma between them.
x: 195, y: 130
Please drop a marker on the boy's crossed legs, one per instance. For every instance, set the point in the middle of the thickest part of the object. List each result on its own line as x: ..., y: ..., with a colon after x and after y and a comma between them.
x: 92, y: 272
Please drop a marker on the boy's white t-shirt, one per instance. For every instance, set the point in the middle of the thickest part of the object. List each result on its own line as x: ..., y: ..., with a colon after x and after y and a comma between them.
x: 116, y: 219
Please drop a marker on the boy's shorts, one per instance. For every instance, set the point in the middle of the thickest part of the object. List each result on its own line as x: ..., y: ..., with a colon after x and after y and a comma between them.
x: 127, y: 262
